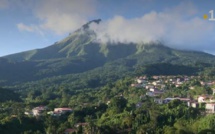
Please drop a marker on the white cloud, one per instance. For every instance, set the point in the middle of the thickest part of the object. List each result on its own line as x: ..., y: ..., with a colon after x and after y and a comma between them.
x: 23, y: 27
x: 32, y: 28
x: 176, y: 27
x: 4, y: 4
x: 62, y: 16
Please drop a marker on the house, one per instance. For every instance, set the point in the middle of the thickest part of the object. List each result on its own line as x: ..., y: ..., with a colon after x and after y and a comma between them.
x: 155, y: 77
x: 38, y: 110
x: 193, y: 104
x: 63, y: 110
x: 191, y: 87
x: 158, y: 101
x: 151, y: 94
x: 163, y: 76
x: 163, y: 86
x: 139, y: 104
x: 28, y: 113
x: 180, y: 80
x: 158, y: 92
x: 213, y: 91
x: 167, y: 100
x: 108, y: 102
x: 81, y: 124
x: 202, y: 98
x: 186, y: 78
x: 153, y: 89
x: 154, y: 83
x: 192, y: 77
x: 209, y: 83
x: 59, y: 111
x: 54, y: 113
x: 140, y: 80
x: 184, y: 99
x: 150, y: 86
x: 136, y: 85
x: 155, y: 93
x: 210, y: 107
x: 202, y: 83
x: 69, y: 131
x: 205, y: 98
x: 177, y: 85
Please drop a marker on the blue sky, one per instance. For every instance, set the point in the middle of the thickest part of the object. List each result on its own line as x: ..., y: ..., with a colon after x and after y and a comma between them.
x: 31, y: 24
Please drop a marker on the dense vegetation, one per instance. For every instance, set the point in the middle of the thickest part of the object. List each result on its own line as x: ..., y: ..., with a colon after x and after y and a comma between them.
x: 8, y: 95
x: 121, y: 115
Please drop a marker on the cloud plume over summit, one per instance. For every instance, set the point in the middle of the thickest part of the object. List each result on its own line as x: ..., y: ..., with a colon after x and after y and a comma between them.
x: 176, y: 27
x: 179, y: 26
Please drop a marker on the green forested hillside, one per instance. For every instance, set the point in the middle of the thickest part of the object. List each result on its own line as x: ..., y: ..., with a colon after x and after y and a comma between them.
x: 8, y: 95
x: 13, y: 72
x: 81, y: 54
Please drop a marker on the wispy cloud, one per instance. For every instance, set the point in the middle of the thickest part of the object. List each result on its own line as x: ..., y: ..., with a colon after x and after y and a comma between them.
x: 23, y: 27
x: 31, y: 28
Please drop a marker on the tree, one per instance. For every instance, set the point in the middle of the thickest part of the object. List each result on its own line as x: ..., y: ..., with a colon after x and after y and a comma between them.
x: 169, y: 130
x: 117, y: 104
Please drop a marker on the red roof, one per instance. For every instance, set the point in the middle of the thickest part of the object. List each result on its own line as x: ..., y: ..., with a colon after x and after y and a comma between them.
x: 69, y: 130
x: 62, y: 109
x: 82, y: 124
x: 40, y: 108
x: 210, y: 103
x: 184, y: 99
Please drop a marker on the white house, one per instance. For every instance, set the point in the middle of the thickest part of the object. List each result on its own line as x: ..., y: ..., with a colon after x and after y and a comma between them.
x: 193, y: 104
x: 154, y: 83
x: 201, y: 99
x: 150, y: 86
x: 205, y: 98
x: 210, y: 107
x: 38, y: 110
x: 213, y: 91
x: 59, y: 111
x: 153, y: 89
x: 140, y: 80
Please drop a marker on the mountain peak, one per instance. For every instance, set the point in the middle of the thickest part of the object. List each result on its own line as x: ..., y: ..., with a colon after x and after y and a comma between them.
x: 86, y: 26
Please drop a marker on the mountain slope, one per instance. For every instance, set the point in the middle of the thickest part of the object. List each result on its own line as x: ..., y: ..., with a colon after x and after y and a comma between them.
x: 80, y: 52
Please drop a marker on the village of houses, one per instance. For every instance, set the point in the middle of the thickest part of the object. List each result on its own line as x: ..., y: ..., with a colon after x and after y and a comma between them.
x: 154, y: 87
x: 157, y: 86
x: 40, y: 110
